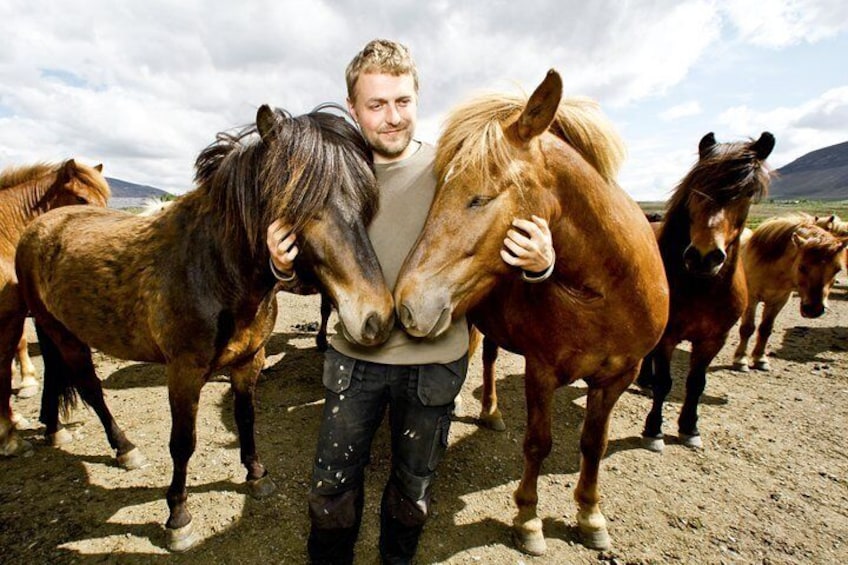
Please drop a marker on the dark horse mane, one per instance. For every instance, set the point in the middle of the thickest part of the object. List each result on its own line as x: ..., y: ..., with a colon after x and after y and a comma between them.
x: 253, y: 181
x: 727, y: 172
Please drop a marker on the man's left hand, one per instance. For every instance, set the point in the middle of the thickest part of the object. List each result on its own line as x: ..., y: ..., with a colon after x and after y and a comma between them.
x: 531, y: 248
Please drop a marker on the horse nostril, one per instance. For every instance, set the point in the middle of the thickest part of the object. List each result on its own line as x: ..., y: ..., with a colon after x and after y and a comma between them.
x: 714, y: 258
x: 371, y: 328
x: 406, y: 316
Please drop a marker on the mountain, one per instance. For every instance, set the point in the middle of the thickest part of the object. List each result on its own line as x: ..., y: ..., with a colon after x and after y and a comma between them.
x: 819, y: 175
x: 123, y: 189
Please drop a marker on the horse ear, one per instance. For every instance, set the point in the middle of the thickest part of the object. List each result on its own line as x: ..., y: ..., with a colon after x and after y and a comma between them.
x: 541, y: 109
x: 798, y: 239
x: 266, y: 121
x: 706, y: 144
x: 763, y: 146
x: 69, y: 167
x: 99, y: 167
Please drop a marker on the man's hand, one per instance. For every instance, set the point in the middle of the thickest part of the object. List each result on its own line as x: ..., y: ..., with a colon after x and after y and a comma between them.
x: 282, y: 244
x: 530, y: 249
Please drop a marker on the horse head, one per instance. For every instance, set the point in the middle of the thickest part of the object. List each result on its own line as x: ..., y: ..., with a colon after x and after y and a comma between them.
x: 330, y: 196
x: 491, y: 169
x: 76, y: 183
x: 820, y: 257
x: 717, y: 194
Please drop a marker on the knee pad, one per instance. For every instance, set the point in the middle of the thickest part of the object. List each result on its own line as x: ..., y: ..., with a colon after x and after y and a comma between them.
x: 331, y: 512
x: 400, y: 508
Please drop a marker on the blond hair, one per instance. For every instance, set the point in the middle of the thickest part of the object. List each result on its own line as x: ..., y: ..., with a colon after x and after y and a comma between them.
x: 380, y: 56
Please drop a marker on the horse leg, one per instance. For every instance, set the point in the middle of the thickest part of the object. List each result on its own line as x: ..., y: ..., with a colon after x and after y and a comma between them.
x: 490, y: 415
x: 645, y: 380
x: 184, y: 385
x: 11, y: 326
x: 243, y: 378
x: 746, y: 330
x: 703, y: 352
x: 539, y: 386
x: 593, y: 444
x: 68, y: 362
x: 29, y: 386
x: 326, y: 310
x: 652, y: 435
x: 770, y: 312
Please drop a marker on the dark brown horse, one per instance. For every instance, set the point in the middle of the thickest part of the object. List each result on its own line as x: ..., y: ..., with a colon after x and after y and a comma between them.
x: 598, y: 315
x: 699, y: 242
x: 785, y: 254
x: 26, y: 193
x: 191, y: 286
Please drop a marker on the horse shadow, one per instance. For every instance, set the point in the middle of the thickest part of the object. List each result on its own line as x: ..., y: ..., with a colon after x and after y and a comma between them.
x: 804, y: 344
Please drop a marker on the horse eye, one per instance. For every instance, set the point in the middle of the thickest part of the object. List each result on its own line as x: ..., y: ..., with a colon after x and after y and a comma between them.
x: 802, y: 269
x: 479, y: 201
x: 81, y: 200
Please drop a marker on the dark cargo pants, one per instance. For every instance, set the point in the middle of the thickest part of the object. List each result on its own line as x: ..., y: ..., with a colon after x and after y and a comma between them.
x: 420, y: 400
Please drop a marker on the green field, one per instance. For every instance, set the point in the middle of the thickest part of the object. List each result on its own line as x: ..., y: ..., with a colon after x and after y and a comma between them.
x: 768, y: 208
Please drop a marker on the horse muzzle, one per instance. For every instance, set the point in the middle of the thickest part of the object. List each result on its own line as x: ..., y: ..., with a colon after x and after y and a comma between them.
x: 812, y: 310
x: 426, y: 322
x: 707, y: 265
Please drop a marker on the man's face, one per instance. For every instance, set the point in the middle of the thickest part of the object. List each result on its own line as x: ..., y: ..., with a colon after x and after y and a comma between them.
x: 386, y: 108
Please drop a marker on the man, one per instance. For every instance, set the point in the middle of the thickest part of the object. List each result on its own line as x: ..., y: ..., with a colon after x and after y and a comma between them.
x: 416, y: 379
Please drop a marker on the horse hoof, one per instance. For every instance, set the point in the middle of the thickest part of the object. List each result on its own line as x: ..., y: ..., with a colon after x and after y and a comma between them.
x: 261, y: 487
x: 594, y: 537
x: 60, y: 438
x: 762, y: 365
x: 14, y: 446
x: 692, y: 442
x: 493, y: 421
x: 741, y: 366
x: 29, y: 388
x: 529, y: 538
x: 131, y: 460
x: 655, y: 444
x: 181, y: 539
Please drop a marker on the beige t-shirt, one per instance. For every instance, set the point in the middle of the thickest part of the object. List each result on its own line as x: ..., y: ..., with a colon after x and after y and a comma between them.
x: 407, y: 188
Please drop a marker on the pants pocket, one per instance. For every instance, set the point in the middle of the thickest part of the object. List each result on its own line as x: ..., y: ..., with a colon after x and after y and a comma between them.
x: 338, y: 373
x: 439, y: 384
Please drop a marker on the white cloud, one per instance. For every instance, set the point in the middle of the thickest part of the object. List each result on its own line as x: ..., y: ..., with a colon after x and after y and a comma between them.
x: 686, y: 109
x: 778, y: 23
x: 798, y: 129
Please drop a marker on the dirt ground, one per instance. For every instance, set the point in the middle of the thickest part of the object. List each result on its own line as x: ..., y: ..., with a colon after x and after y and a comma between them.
x: 770, y: 485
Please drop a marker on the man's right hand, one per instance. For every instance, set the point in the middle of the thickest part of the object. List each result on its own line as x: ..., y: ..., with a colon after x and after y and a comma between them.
x: 282, y: 244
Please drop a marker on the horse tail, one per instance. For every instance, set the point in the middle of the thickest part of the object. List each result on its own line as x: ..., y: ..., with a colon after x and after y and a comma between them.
x: 59, y: 390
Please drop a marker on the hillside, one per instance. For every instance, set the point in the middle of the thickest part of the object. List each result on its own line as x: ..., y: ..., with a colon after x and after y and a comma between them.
x: 818, y: 175
x: 123, y: 189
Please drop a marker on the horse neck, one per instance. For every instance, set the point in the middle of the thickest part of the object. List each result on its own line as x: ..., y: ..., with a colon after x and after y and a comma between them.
x: 19, y: 205
x: 230, y: 254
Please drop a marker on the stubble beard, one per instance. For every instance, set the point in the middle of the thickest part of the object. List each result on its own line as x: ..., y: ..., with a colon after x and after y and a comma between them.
x: 390, y: 150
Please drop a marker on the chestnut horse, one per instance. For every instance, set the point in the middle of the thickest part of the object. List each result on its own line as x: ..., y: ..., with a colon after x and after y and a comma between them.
x: 784, y: 254
x: 26, y: 192
x: 605, y: 305
x: 191, y: 286
x: 699, y: 242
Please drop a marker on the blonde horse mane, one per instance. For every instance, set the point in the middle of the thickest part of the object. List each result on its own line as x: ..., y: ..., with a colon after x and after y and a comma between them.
x: 15, y: 175
x: 771, y: 238
x: 473, y: 137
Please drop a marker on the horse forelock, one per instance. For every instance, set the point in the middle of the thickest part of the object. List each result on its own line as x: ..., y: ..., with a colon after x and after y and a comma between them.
x: 314, y: 161
x: 473, y: 141
x: 729, y: 172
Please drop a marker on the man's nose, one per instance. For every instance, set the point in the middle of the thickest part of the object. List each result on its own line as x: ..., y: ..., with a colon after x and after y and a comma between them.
x: 394, y: 115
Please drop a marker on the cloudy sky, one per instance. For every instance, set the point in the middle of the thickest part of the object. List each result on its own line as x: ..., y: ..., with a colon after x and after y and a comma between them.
x: 143, y: 86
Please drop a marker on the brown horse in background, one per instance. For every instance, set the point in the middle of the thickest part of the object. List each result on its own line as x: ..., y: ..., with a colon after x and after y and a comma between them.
x: 784, y: 254
x: 191, y: 286
x: 699, y: 242
x: 27, y: 192
x: 601, y: 311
